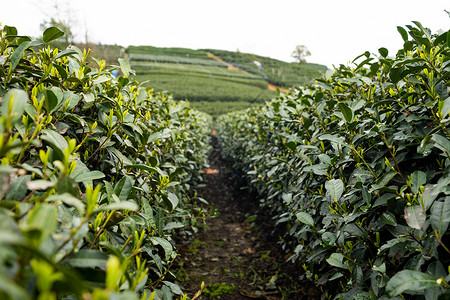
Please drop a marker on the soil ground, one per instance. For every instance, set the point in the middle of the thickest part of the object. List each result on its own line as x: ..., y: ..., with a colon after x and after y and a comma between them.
x: 235, y: 255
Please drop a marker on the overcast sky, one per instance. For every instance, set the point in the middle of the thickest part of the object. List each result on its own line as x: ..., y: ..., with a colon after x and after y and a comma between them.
x: 335, y: 31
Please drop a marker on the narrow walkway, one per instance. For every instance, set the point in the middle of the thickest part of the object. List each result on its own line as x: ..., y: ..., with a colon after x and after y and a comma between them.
x: 235, y: 254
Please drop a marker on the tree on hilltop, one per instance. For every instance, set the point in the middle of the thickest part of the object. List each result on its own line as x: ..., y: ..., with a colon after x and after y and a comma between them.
x: 300, y: 52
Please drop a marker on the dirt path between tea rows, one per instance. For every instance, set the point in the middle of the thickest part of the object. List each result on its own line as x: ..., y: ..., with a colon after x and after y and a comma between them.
x: 235, y: 254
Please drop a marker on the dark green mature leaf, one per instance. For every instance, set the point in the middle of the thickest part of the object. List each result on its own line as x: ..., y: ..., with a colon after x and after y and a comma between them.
x: 410, y: 281
x: 346, y: 112
x: 123, y: 187
x: 305, y: 218
x: 403, y: 33
x: 89, y: 176
x: 165, y: 244
x: 18, y: 54
x: 335, y: 189
x: 440, y: 216
x: 336, y: 260
x: 388, y: 218
x: 145, y: 168
x: 418, y: 178
x: 442, y: 142
x: 173, y: 199
x: 56, y: 140
x: 18, y: 188
x: 383, y: 51
x: 51, y: 34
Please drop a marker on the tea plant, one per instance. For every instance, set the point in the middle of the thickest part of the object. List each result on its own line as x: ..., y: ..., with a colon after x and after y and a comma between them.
x: 97, y: 175
x: 356, y: 169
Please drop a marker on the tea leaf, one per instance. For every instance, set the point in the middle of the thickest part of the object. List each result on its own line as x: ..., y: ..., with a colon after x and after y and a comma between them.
x: 18, y: 54
x: 13, y: 105
x: 415, y: 216
x: 165, y: 244
x: 305, y: 218
x: 335, y: 189
x: 418, y: 178
x: 88, y: 259
x: 410, y: 281
x: 336, y: 259
x: 346, y: 112
x: 124, y: 67
x: 440, y: 216
x: 51, y: 34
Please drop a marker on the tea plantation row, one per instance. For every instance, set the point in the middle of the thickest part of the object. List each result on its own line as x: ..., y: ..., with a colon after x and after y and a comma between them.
x: 356, y: 170
x: 98, y: 176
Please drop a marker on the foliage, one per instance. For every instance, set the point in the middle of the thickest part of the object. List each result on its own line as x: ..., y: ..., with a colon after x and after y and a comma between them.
x: 274, y: 71
x: 300, y: 53
x: 356, y: 169
x: 216, y: 290
x: 97, y: 176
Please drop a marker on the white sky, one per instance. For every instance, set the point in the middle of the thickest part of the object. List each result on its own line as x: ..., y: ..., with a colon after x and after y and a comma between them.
x: 335, y: 31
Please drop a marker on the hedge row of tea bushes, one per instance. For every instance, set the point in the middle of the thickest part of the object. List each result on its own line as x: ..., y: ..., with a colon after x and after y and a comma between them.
x: 355, y: 168
x: 97, y: 176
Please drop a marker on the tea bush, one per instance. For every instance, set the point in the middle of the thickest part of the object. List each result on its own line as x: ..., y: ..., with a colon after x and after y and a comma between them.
x: 356, y: 169
x: 98, y: 176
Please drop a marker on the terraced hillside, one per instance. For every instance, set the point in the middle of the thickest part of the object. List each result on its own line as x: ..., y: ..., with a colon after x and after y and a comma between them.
x: 211, y: 81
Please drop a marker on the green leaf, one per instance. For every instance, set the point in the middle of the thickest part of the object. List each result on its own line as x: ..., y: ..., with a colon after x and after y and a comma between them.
x: 88, y: 259
x: 13, y: 105
x: 174, y: 288
x: 64, y: 53
x: 40, y: 184
x: 165, y: 244
x: 418, y: 178
x: 18, y: 188
x: 410, y: 281
x: 89, y: 176
x: 336, y: 259
x: 144, y: 167
x: 346, y: 112
x: 415, y: 216
x: 329, y: 238
x: 383, y: 52
x: 11, y: 289
x: 403, y: 33
x: 51, y: 34
x: 388, y: 218
x: 128, y: 205
x: 69, y: 200
x: 53, y: 98
x: 123, y: 187
x: 335, y: 189
x: 333, y: 138
x: 173, y: 199
x: 124, y: 67
x: 440, y: 216
x: 56, y: 140
x: 18, y: 54
x: 442, y: 142
x: 67, y: 185
x: 446, y: 108
x: 43, y: 217
x: 305, y: 218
